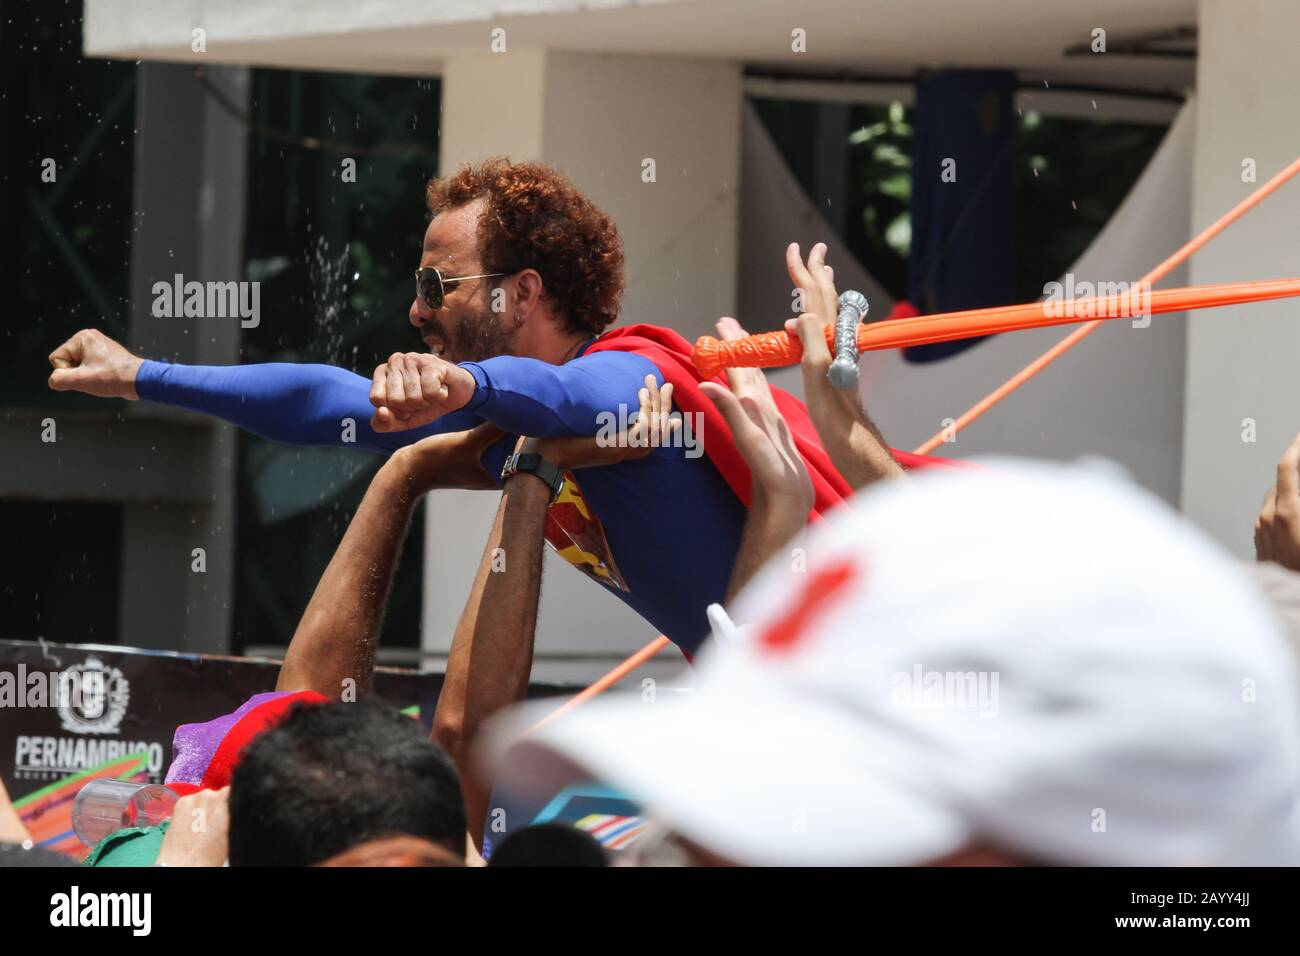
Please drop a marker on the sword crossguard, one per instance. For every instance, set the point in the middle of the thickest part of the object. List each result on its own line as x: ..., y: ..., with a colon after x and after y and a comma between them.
x: 843, y: 373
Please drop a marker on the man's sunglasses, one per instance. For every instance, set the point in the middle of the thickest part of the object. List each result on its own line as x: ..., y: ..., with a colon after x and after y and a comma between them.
x: 431, y: 285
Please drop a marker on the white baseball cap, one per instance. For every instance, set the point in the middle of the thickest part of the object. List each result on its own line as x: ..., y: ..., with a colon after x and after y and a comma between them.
x: 1039, y: 658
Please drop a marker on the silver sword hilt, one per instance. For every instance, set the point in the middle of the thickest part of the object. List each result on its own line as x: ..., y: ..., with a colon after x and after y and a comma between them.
x: 843, y: 373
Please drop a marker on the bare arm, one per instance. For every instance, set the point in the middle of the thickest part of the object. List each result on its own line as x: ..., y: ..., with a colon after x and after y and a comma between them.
x: 782, y: 488
x: 492, y: 649
x: 336, y: 637
x: 11, y: 825
x: 773, y: 523
x: 491, y: 654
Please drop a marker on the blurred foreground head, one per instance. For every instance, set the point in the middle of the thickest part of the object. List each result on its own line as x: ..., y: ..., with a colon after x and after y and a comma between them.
x: 330, y: 777
x: 1023, y: 662
x: 549, y: 844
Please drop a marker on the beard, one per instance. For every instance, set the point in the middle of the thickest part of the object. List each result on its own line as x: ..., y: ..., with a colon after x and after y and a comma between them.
x: 477, y: 337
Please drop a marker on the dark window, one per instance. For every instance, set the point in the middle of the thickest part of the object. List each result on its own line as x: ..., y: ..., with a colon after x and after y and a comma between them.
x: 67, y: 262
x: 60, y: 571
x: 1071, y: 177
x: 335, y: 260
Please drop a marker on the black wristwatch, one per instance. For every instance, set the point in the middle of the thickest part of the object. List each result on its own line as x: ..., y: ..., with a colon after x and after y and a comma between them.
x: 531, y: 463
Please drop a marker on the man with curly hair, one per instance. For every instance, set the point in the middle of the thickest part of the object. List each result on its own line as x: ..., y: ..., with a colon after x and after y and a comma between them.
x: 519, y: 279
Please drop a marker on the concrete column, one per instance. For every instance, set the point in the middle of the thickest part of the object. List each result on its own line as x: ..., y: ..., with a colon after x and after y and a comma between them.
x: 600, y: 119
x: 190, y: 176
x: 1242, y: 362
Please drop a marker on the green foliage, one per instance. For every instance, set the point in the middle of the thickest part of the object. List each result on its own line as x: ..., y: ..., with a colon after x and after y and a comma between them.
x: 879, y: 227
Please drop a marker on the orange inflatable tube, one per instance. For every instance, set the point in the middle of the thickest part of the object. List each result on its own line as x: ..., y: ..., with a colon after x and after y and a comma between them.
x: 773, y: 349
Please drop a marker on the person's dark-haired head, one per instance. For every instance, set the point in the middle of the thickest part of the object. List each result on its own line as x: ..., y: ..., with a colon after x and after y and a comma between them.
x: 332, y: 776
x: 549, y: 844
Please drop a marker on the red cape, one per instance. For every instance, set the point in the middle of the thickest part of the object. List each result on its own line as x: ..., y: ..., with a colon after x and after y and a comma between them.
x: 671, y: 354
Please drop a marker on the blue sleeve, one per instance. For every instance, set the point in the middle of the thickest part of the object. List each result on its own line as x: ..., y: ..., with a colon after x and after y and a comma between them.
x: 296, y: 404
x: 526, y: 396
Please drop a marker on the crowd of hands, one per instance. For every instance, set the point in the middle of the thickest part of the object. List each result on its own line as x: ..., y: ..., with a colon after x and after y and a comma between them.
x: 491, y: 654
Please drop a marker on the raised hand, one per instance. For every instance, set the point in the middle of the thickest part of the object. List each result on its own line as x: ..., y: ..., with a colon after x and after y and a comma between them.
x: 653, y: 426
x: 855, y: 445
x: 761, y: 433
x: 1277, y: 529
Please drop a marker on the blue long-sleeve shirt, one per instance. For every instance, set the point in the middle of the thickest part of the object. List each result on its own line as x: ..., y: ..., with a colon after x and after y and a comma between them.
x: 667, y: 527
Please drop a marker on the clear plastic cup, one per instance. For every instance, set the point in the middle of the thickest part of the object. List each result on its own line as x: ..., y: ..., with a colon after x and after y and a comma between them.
x: 105, y: 806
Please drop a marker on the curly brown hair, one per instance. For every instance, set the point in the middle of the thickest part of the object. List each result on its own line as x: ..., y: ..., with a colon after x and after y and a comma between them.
x: 535, y: 218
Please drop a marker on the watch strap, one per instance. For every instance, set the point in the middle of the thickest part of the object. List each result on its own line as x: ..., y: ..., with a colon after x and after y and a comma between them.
x: 531, y: 463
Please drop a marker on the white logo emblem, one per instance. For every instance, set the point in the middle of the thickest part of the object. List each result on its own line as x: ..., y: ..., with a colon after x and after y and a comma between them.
x: 101, y: 705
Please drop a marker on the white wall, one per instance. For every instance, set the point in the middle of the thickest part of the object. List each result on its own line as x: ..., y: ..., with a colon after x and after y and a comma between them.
x: 1243, y: 362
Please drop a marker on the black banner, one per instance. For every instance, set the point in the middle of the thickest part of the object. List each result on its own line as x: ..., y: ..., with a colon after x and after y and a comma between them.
x: 70, y: 713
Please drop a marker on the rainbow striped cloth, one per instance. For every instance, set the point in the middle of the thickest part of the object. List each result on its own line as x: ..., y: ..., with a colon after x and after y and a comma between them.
x: 612, y: 831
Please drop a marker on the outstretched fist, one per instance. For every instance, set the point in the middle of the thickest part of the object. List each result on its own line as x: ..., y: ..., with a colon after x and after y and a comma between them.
x: 93, y: 363
x: 414, y: 388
